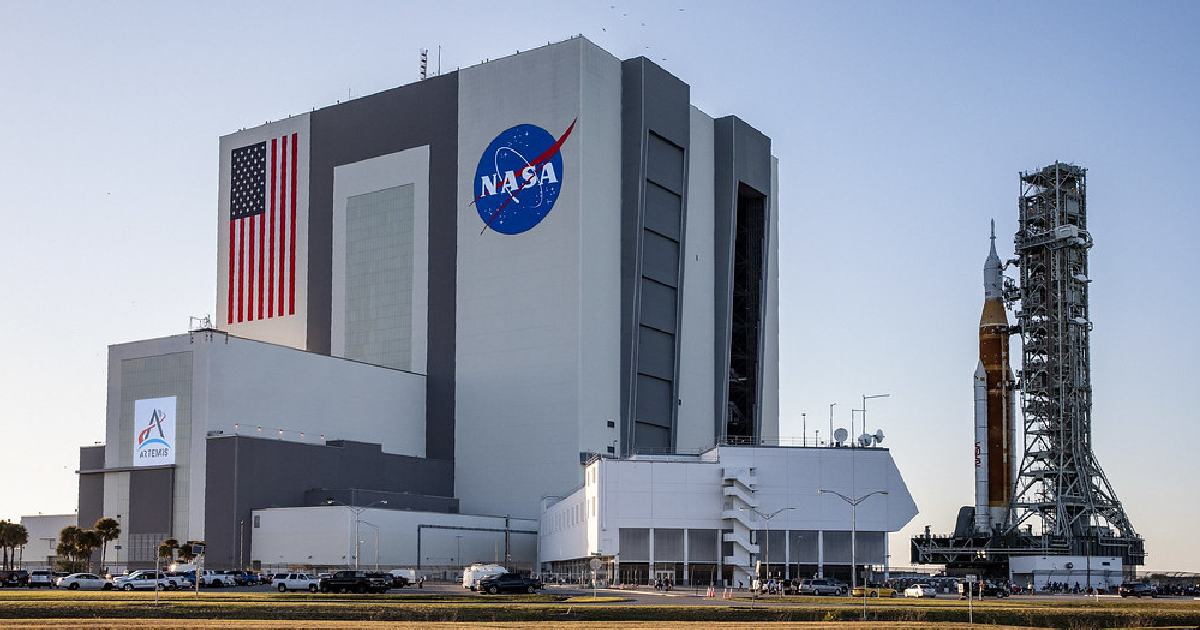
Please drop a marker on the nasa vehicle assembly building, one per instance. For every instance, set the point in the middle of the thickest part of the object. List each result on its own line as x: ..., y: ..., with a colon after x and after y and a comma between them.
x: 441, y: 305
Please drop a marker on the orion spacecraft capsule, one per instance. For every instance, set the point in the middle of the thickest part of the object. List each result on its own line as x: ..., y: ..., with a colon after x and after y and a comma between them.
x: 996, y: 456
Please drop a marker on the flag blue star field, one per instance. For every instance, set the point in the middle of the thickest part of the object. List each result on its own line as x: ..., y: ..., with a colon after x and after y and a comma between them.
x: 262, y: 230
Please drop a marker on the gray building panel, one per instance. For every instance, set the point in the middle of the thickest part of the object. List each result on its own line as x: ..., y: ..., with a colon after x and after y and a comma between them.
x: 245, y: 473
x: 91, y: 486
x: 742, y: 160
x: 419, y: 114
x: 655, y: 133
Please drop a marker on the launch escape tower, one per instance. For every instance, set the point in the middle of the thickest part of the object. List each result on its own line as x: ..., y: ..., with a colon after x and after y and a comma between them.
x: 1062, y: 503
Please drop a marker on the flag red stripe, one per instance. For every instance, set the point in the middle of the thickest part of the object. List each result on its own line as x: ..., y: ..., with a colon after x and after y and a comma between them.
x: 292, y: 252
x: 250, y: 264
x: 229, y: 299
x: 271, y: 257
x: 262, y: 249
x: 241, y: 273
x: 282, y: 222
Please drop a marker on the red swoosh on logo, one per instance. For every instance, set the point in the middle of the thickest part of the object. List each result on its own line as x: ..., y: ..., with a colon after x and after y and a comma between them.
x: 546, y: 156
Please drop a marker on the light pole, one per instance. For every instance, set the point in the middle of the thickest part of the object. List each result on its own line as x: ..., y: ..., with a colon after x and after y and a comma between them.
x: 767, y: 516
x: 854, y: 535
x: 357, y: 511
x: 864, y: 407
x: 376, y: 532
x: 458, y: 540
x: 803, y: 429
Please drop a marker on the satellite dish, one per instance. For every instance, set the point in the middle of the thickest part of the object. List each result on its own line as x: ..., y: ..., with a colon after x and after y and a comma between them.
x: 878, y: 435
x: 840, y: 435
x: 864, y: 440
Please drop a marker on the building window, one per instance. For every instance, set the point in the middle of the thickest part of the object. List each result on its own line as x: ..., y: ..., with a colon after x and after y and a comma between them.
x: 256, y: 521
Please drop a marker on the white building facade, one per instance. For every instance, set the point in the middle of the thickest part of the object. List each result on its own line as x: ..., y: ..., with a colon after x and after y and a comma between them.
x: 704, y: 519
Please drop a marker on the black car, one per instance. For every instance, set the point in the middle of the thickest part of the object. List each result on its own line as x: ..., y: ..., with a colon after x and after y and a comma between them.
x: 380, y: 582
x: 350, y: 582
x: 509, y: 583
x: 14, y: 579
x: 1137, y: 589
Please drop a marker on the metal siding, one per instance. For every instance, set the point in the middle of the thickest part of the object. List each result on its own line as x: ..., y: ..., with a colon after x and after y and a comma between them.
x: 423, y: 113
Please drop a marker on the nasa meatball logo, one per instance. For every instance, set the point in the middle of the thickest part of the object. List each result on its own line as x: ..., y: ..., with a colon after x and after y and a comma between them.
x: 519, y: 178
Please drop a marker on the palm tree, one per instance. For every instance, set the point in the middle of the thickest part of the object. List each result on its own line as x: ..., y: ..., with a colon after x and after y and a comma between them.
x: 87, y: 543
x: 166, y: 547
x: 109, y: 529
x: 18, y: 536
x: 6, y: 533
x: 68, y: 547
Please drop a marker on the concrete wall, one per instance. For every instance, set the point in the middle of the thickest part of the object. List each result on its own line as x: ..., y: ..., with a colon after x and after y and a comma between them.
x: 324, y: 537
x: 40, y: 551
x: 538, y: 335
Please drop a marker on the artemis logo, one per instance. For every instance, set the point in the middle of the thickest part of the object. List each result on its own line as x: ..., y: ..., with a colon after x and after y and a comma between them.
x: 519, y: 178
x: 154, y: 431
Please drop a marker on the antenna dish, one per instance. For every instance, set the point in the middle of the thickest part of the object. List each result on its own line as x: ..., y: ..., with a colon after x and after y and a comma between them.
x: 878, y: 435
x: 864, y: 440
x: 840, y: 435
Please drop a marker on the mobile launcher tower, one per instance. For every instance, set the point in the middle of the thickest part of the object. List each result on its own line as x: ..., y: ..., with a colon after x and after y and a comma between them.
x: 1055, y: 500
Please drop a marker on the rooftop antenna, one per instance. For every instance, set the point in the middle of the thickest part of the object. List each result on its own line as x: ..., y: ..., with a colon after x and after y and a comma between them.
x: 439, y: 60
x: 424, y: 64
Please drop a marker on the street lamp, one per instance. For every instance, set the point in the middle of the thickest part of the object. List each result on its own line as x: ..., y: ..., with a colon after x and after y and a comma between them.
x: 853, y: 526
x: 376, y: 528
x: 357, y: 511
x: 767, y: 516
x: 864, y: 407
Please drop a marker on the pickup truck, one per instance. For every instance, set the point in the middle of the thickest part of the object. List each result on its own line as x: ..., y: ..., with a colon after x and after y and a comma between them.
x: 509, y: 583
x: 216, y: 579
x: 350, y: 582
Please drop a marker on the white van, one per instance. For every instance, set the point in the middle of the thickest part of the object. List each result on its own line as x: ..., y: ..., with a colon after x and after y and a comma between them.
x: 475, y: 572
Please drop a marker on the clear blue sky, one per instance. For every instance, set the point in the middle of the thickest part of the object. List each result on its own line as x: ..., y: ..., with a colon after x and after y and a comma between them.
x: 900, y: 129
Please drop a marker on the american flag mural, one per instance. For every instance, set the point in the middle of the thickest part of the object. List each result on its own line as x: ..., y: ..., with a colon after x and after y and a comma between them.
x: 262, y: 230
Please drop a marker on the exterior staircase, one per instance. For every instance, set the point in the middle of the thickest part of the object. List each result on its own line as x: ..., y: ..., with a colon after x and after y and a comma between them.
x: 740, y: 521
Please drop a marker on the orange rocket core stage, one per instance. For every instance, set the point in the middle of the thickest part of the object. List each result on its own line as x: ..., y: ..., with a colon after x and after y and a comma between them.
x: 993, y: 353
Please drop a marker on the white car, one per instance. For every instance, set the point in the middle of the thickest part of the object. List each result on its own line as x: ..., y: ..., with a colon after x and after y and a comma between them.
x: 296, y: 582
x: 84, y: 581
x: 38, y: 579
x: 920, y: 590
x: 143, y: 580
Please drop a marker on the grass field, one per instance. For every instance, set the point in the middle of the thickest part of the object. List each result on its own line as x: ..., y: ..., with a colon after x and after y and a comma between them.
x: 272, y: 610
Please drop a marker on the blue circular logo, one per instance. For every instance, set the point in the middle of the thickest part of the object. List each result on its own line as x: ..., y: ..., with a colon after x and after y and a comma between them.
x: 518, y: 178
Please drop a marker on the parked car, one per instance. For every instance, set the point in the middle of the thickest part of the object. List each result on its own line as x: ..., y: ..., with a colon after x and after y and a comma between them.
x: 85, y: 581
x: 380, y: 582
x: 216, y: 579
x: 41, y: 579
x: 920, y: 590
x: 145, y: 580
x: 347, y: 582
x: 58, y: 576
x: 181, y: 579
x: 403, y: 577
x: 13, y: 579
x: 476, y: 572
x: 509, y: 583
x: 1137, y: 589
x: 820, y: 586
x: 296, y: 582
x: 874, y: 590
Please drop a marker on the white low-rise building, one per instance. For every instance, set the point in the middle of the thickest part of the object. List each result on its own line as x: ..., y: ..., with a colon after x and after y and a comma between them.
x: 704, y: 519
x: 41, y: 547
x: 433, y: 543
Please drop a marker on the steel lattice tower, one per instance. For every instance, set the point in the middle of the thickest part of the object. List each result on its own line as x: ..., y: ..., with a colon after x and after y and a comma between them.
x: 1060, y: 484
